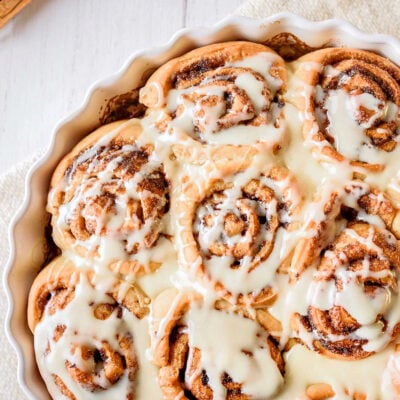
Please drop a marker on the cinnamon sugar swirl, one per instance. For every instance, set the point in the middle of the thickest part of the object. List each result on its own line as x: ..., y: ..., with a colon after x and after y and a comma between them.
x: 200, y: 358
x: 353, y: 305
x: 108, y: 198
x: 84, y: 343
x: 210, y: 94
x: 232, y: 230
x: 350, y: 104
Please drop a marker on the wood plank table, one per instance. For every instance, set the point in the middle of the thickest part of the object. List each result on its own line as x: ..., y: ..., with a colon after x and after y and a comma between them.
x: 53, y: 51
x: 50, y: 54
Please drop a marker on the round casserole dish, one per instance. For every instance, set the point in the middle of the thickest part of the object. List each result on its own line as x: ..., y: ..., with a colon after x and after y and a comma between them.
x: 28, y: 229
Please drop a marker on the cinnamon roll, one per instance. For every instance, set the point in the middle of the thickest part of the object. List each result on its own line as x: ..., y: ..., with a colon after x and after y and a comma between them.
x: 84, y: 342
x: 199, y: 357
x: 220, y: 244
x: 351, y: 240
x: 225, y: 93
x: 109, y: 196
x: 232, y: 231
x: 350, y: 103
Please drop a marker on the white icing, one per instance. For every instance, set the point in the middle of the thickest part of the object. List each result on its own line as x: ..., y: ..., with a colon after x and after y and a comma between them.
x: 222, y: 339
x: 253, y: 88
x: 117, y: 234
x: 193, y: 106
x: 349, y: 135
x: 305, y: 367
x: 82, y: 328
x: 390, y: 384
x: 248, y: 277
x: 314, y: 172
x: 261, y: 63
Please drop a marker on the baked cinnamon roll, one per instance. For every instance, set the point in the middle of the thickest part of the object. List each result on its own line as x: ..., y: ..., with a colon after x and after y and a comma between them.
x: 352, y: 242
x: 256, y: 288
x: 108, y: 198
x: 84, y: 342
x: 232, y: 231
x: 225, y: 93
x: 350, y: 102
x: 200, y: 358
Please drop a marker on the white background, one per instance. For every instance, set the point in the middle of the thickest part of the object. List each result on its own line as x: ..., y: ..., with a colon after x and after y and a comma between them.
x: 53, y: 51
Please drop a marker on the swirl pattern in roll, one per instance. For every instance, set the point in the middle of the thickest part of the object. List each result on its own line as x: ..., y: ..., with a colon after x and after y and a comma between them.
x: 225, y: 231
x: 353, y: 297
x: 84, y: 342
x: 231, y: 230
x: 350, y: 103
x: 108, y: 198
x: 211, y: 92
x: 198, y: 356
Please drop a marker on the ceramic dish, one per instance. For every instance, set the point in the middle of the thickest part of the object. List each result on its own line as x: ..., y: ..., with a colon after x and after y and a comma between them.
x: 28, y: 230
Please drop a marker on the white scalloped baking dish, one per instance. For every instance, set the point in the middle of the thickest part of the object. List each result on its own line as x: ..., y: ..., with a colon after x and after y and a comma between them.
x: 27, y: 230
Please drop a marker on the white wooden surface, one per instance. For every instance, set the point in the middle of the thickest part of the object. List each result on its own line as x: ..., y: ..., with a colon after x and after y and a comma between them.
x: 55, y: 49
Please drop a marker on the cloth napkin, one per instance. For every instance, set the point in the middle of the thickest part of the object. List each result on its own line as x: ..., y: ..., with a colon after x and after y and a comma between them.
x: 378, y: 16
x: 11, y: 195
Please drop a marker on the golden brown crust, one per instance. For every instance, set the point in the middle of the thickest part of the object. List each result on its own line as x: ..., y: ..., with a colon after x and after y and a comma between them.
x: 319, y: 391
x: 355, y: 252
x: 56, y: 284
x: 365, y: 72
x: 51, y: 292
x: 46, y: 282
x: 246, y: 220
x: 10, y: 8
x: 183, y: 71
x: 288, y: 46
x: 170, y: 344
x: 88, y: 215
x: 121, y: 107
x: 206, y: 80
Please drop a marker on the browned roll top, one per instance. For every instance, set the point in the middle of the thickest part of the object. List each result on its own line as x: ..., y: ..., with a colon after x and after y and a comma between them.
x: 108, y: 177
x: 90, y: 215
x: 207, y: 78
x: 237, y: 226
x: 101, y: 363
x: 352, y: 252
x: 349, y: 249
x: 180, y: 364
x: 356, y: 72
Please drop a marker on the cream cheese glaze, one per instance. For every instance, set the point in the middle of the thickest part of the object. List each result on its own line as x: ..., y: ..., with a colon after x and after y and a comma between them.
x: 203, y: 107
x: 228, y: 355
x: 83, y: 329
x: 296, y: 204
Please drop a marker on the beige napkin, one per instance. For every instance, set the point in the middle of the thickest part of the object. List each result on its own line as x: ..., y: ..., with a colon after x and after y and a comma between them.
x: 378, y: 16
x: 11, y: 196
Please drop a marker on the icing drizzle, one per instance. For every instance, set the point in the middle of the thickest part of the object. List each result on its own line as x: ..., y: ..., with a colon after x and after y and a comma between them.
x: 224, y: 338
